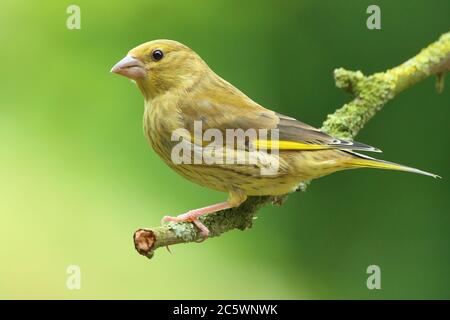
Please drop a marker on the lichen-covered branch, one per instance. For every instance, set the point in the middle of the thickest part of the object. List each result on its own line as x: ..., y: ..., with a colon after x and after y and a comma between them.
x: 147, y: 240
x: 374, y: 91
x: 371, y: 93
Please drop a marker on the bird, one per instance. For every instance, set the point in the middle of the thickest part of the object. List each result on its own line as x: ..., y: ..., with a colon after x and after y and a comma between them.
x: 184, y: 98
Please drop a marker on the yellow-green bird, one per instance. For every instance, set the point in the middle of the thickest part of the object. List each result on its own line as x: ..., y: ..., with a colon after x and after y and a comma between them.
x: 181, y: 90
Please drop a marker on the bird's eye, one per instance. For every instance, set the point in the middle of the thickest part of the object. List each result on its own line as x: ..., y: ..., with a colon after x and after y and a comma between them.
x: 157, y: 55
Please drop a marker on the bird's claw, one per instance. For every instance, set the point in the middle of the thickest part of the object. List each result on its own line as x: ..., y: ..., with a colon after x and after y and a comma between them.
x: 204, y: 231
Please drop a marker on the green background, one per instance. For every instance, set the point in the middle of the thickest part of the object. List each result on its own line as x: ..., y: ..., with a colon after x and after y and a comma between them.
x: 77, y: 176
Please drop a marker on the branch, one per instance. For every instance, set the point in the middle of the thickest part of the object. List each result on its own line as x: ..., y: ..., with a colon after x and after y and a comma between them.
x: 371, y: 94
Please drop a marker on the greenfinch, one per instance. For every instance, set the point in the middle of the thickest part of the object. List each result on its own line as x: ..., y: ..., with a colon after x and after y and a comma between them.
x: 185, y: 99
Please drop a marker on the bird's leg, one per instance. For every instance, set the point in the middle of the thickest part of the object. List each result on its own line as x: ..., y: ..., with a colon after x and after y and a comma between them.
x: 235, y: 199
x: 192, y: 216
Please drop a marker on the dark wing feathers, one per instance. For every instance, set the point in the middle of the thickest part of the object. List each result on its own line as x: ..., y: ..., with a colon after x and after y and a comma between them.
x: 291, y: 129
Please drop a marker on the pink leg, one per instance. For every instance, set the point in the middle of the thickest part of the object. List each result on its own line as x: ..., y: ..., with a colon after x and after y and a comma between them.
x: 192, y: 216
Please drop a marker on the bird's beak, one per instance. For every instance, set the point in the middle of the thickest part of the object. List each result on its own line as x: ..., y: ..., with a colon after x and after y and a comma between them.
x: 130, y: 67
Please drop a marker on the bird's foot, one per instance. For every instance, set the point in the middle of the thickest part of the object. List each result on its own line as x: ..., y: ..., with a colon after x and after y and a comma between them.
x: 189, y: 217
x: 193, y: 215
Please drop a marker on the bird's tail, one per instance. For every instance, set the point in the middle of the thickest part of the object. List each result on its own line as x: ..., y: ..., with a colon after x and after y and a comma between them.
x: 362, y: 161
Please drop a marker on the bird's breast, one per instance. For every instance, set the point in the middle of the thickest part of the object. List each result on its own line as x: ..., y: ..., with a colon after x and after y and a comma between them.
x: 158, y: 128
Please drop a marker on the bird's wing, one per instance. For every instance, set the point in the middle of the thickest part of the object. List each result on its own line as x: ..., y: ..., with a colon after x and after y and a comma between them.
x: 296, y: 135
x: 237, y: 111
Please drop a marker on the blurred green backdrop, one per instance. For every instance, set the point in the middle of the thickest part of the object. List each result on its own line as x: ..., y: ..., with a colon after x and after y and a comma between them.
x: 77, y: 176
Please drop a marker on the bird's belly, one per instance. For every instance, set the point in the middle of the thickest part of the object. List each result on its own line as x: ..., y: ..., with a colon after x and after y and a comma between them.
x: 231, y: 177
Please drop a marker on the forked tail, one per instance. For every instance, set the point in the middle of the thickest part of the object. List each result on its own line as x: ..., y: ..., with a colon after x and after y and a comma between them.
x: 363, y: 161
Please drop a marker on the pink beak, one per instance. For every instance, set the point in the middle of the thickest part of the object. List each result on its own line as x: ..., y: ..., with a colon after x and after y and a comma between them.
x: 130, y: 67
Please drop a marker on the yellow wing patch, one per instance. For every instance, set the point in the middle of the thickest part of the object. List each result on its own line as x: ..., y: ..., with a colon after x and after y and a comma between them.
x: 290, y: 145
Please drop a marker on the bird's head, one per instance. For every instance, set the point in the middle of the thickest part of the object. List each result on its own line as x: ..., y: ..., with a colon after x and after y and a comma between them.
x: 161, y: 65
